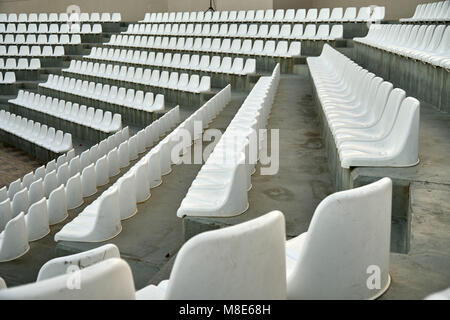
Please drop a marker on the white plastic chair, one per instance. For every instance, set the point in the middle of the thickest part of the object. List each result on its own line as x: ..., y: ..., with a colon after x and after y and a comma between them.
x: 339, y: 231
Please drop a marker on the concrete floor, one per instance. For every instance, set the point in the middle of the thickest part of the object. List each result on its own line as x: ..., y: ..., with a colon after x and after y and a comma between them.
x: 150, y: 240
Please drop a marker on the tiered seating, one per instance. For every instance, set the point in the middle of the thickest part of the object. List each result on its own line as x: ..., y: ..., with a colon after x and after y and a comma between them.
x: 371, y: 124
x: 426, y: 43
x: 41, y: 39
x: 52, y: 28
x: 257, y: 250
x: 62, y: 17
x: 33, y: 132
x: 186, y: 61
x: 32, y: 51
x: 79, y: 116
x: 7, y: 78
x: 20, y: 64
x: 220, y: 188
x: 252, y: 31
x: 101, y: 220
x: 155, y: 78
x: 351, y: 14
x: 119, y: 97
x: 68, y: 180
x: 431, y: 12
x: 258, y: 47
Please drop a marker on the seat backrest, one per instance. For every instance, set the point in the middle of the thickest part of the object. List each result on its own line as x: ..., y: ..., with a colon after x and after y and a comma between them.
x: 61, y: 265
x: 109, y: 279
x: 351, y: 230
x: 243, y: 255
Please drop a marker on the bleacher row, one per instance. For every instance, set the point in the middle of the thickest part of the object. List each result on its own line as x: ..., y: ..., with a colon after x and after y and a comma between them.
x: 79, y: 116
x: 173, y: 80
x: 20, y: 64
x: 426, y: 43
x: 53, y: 28
x: 79, y: 176
x: 252, y: 31
x: 371, y: 123
x: 256, y: 248
x: 19, y: 39
x: 33, y: 51
x: 102, y: 219
x: 186, y: 61
x: 61, y: 17
x: 113, y: 98
x: 213, y: 45
x: 430, y: 12
x: 39, y: 136
x: 351, y: 14
x: 221, y: 186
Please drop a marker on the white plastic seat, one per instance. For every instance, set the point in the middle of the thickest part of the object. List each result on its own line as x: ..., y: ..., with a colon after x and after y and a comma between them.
x: 242, y: 245
x: 127, y: 196
x: 74, y: 192
x: 57, y: 206
x: 100, y: 221
x: 37, y: 221
x: 88, y: 181
x: 14, y: 240
x: 20, y: 202
x: 95, y: 284
x: 338, y: 229
x: 350, y: 14
x: 59, y: 266
x: 36, y: 191
x: 337, y: 15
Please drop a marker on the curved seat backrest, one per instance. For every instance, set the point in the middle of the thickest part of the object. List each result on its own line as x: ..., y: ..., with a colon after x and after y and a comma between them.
x: 109, y: 279
x: 60, y: 266
x: 249, y: 258
x: 349, y: 233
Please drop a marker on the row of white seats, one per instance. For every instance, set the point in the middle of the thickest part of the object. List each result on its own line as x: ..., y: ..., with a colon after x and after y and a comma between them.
x: 20, y: 64
x: 62, y: 17
x: 33, y: 51
x: 52, y: 28
x: 186, y: 61
x: 9, y: 78
x: 426, y: 43
x: 436, y: 11
x: 220, y: 45
x: 264, y: 265
x: 275, y: 31
x: 123, y: 97
x: 220, y: 188
x: 88, y: 117
x: 372, y: 123
x: 101, y: 221
x: 20, y: 39
x: 351, y: 14
x: 31, y: 177
x: 35, y: 133
x: 164, y: 79
x: 65, y: 186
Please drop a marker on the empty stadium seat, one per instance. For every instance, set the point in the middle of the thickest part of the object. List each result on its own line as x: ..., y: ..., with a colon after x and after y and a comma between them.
x: 58, y: 266
x: 95, y: 283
